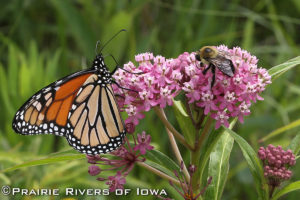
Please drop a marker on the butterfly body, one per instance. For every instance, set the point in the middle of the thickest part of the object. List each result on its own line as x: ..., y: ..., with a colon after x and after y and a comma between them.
x: 80, y: 107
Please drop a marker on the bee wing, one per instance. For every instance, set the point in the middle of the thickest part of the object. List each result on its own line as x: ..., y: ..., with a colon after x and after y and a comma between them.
x: 223, y: 64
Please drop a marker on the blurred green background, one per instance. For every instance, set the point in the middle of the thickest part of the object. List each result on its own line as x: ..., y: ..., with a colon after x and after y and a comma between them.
x: 41, y: 41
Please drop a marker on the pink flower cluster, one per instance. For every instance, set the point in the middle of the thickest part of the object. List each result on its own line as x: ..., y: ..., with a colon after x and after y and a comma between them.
x: 160, y: 80
x: 276, y: 162
x: 125, y: 159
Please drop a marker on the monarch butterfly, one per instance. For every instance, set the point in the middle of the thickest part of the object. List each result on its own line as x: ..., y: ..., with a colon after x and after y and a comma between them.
x: 81, y: 107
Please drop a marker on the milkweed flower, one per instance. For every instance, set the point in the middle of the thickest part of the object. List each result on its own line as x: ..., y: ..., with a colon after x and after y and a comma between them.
x: 124, y: 160
x: 276, y: 163
x: 116, y: 182
x: 161, y: 80
x: 143, y: 143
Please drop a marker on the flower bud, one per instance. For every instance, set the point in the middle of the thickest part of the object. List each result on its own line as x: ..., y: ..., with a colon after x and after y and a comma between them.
x: 192, y: 169
x: 94, y: 170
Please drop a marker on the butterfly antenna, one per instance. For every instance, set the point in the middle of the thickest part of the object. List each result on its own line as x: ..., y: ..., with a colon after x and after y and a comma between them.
x: 97, y: 45
x: 111, y: 39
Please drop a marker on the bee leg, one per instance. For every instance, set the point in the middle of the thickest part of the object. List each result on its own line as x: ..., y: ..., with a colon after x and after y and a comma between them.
x: 232, y: 67
x: 201, y: 64
x: 213, y: 70
x: 205, y: 70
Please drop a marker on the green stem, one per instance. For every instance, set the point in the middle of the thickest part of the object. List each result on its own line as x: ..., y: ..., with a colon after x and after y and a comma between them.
x: 198, y: 143
x: 272, y: 188
x: 176, y: 134
x: 178, y: 155
x: 174, y: 145
x: 195, y: 155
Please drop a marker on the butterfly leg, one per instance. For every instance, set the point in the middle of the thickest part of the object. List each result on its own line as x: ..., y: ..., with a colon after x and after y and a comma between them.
x: 213, y: 70
x: 118, y: 67
x: 119, y: 96
x: 124, y: 88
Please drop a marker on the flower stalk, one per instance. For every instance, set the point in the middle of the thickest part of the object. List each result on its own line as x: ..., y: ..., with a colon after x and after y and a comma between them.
x: 159, y: 112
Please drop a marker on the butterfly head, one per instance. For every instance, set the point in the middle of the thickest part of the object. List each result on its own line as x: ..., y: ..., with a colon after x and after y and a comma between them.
x: 98, y: 62
x: 101, y: 69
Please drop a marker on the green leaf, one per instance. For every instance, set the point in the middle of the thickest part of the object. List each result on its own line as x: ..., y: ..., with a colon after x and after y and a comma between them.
x: 209, y: 146
x: 249, y: 31
x: 12, y: 70
x: 219, y: 166
x: 116, y: 47
x: 295, y: 144
x: 25, y: 79
x: 162, y: 159
x: 5, y: 180
x: 45, y: 161
x: 278, y: 70
x: 280, y: 130
x: 253, y: 163
x: 78, y: 26
x: 289, y: 188
x: 185, y: 122
x: 160, y: 168
x: 4, y: 92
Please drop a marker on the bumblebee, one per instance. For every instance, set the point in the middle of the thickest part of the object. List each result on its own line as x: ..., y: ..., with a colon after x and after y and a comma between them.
x: 210, y: 56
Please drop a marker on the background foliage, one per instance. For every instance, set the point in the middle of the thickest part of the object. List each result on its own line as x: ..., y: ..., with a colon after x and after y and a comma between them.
x: 41, y: 41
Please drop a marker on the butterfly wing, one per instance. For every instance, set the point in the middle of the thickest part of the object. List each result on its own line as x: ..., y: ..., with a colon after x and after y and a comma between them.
x: 46, y: 111
x: 95, y: 122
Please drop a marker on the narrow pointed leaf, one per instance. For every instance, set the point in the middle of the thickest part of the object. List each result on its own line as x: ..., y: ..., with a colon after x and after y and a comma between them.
x: 289, y: 188
x: 209, y: 146
x: 45, y: 161
x: 219, y: 166
x: 278, y: 70
x: 162, y: 159
x: 184, y: 121
x: 254, y: 164
x: 295, y: 144
x: 280, y: 130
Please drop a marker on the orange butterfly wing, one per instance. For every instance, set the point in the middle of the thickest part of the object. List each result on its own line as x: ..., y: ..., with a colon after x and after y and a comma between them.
x: 82, y: 107
x: 47, y: 110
